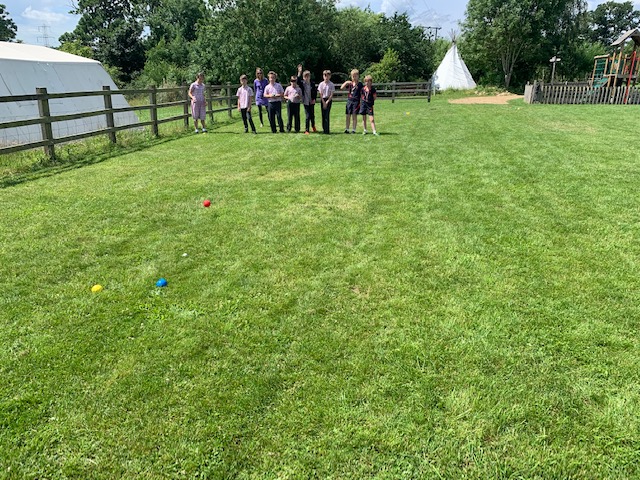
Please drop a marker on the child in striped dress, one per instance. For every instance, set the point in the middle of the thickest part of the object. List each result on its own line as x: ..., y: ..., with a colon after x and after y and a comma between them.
x: 198, y: 102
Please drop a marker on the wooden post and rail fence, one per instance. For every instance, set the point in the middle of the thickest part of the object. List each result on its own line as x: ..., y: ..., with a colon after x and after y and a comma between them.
x: 220, y: 96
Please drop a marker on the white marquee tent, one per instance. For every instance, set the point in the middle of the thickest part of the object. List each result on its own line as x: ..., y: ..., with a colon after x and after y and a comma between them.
x: 453, y: 73
x: 23, y: 68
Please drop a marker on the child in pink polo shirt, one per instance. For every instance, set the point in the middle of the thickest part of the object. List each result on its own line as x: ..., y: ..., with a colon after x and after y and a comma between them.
x: 293, y: 94
x: 245, y: 94
x: 326, y: 88
x: 274, y: 93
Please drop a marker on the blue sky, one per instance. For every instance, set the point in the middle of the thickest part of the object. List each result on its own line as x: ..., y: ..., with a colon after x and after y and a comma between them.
x: 41, y: 22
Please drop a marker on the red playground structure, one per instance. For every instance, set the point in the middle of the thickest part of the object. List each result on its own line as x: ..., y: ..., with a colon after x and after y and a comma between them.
x: 619, y: 68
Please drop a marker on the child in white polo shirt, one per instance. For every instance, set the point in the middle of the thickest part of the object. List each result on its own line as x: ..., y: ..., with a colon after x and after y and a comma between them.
x: 245, y: 94
x: 326, y: 88
x: 293, y: 94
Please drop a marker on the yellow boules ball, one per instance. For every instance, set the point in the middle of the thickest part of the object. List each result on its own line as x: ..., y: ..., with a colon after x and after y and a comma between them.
x: 97, y: 288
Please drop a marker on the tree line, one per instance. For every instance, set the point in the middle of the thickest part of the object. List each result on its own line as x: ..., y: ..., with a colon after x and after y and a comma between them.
x: 509, y: 42
x: 156, y: 42
x: 166, y: 42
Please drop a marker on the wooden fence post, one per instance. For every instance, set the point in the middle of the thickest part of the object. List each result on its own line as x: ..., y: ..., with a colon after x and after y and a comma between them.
x: 47, y: 131
x: 153, y: 110
x: 108, y: 105
x: 229, y: 99
x: 210, y: 102
x: 393, y: 92
x: 187, y: 102
x: 429, y: 86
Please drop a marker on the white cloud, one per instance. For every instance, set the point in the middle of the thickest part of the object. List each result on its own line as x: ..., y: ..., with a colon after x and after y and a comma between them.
x: 44, y: 16
x: 431, y: 18
x: 353, y: 3
x: 389, y: 7
x: 427, y: 17
x: 427, y: 13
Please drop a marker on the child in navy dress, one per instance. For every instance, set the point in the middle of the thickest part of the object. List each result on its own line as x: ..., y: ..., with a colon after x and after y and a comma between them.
x: 367, y: 99
x: 353, y: 99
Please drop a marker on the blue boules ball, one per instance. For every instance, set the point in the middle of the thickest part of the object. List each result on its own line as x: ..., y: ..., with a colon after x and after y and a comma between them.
x: 161, y: 283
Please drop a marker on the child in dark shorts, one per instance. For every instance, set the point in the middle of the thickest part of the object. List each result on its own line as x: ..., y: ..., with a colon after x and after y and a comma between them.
x: 367, y: 99
x: 353, y: 99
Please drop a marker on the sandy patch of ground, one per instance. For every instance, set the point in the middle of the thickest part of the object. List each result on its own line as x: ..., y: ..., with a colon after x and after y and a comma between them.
x: 493, y: 99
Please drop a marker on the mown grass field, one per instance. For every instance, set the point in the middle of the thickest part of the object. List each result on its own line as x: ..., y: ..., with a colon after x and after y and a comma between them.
x: 456, y: 298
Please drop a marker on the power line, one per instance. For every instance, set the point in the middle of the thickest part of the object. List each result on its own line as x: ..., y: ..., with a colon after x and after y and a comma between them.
x: 435, y: 35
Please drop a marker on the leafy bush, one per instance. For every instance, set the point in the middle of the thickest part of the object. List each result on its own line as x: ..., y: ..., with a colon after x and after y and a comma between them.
x: 387, y: 69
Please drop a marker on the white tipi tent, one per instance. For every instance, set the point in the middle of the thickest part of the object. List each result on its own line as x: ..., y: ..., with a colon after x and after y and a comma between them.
x: 452, y: 72
x: 23, y: 68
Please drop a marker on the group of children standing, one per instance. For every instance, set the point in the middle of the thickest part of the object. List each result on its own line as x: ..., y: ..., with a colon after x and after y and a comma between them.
x: 301, y: 90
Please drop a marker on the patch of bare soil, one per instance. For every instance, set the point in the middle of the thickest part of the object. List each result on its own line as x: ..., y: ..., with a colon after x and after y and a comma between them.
x: 501, y: 99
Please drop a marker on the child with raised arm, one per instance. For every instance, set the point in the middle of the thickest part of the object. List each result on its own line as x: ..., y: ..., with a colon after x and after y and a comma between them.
x: 274, y: 93
x: 309, y: 94
x: 367, y: 99
x: 326, y: 88
x: 293, y: 94
x: 353, y: 99
x: 258, y: 86
x: 198, y: 102
x: 245, y: 94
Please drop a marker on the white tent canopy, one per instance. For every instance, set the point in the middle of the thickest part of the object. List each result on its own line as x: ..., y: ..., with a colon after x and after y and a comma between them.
x: 453, y: 73
x: 23, y: 68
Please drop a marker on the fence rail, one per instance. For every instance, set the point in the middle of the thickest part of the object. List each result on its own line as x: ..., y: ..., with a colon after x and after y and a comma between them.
x: 220, y: 96
x: 567, y: 93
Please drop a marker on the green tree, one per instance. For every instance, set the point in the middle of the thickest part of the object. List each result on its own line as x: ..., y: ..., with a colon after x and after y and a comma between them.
x: 8, y: 28
x: 504, y: 38
x: 610, y: 19
x: 174, y: 19
x: 411, y: 44
x: 76, y: 48
x: 113, y: 30
x: 173, y: 27
x: 565, y: 37
x: 273, y: 34
x: 356, y: 41
x: 388, y: 69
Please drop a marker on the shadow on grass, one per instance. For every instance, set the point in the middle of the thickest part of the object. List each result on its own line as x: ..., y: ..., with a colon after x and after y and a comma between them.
x: 71, y: 160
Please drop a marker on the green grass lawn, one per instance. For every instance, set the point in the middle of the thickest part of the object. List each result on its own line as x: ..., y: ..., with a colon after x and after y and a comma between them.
x: 456, y: 298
